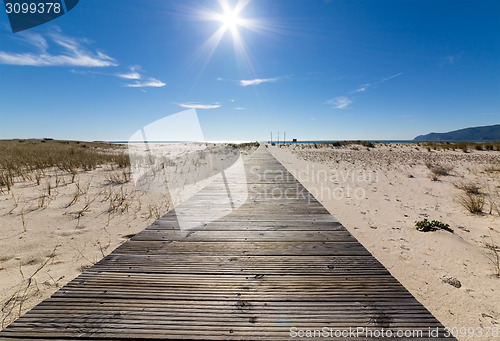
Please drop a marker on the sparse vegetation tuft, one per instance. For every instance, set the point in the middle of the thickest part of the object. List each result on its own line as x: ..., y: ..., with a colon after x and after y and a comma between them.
x: 468, y: 187
x: 494, y: 168
x: 495, y: 250
x: 426, y: 226
x: 115, y: 178
x: 474, y: 203
x: 438, y: 170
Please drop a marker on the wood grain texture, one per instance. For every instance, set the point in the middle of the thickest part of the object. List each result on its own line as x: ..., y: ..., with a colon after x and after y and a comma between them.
x: 277, y: 261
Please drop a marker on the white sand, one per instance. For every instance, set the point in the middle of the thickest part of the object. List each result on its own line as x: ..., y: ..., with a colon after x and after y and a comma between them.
x: 390, y: 189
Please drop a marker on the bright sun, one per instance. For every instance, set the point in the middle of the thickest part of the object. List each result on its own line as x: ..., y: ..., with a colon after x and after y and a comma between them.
x: 230, y: 19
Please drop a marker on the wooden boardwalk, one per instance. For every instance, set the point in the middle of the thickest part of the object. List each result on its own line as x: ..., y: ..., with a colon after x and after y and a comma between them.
x: 277, y: 262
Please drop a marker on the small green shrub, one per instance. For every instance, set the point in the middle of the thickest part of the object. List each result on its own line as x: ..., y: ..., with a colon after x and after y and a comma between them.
x: 426, y: 226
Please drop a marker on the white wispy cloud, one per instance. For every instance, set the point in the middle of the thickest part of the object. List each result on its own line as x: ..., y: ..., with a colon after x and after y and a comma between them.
x: 199, y: 106
x: 240, y: 108
x: 73, y: 52
x: 257, y: 81
x: 341, y: 102
x: 133, y: 74
x: 34, y: 39
x: 140, y: 81
x: 362, y: 88
x: 365, y: 87
x: 390, y: 77
x: 149, y: 83
x: 88, y: 72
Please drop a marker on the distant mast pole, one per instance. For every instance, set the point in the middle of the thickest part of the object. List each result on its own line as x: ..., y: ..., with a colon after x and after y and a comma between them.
x: 278, y: 138
x: 271, y: 137
x: 284, y: 138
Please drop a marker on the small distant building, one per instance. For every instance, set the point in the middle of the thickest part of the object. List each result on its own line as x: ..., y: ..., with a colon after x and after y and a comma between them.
x: 294, y: 141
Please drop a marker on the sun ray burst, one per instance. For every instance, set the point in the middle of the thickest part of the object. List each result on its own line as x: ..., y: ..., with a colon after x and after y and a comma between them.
x: 231, y: 21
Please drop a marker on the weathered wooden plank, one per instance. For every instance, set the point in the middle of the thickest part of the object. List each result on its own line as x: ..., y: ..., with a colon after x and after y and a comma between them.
x: 244, y: 248
x: 252, y: 226
x: 229, y: 236
x: 175, y: 263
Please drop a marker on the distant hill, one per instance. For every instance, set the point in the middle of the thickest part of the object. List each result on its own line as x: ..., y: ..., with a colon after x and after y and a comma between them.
x: 475, y: 134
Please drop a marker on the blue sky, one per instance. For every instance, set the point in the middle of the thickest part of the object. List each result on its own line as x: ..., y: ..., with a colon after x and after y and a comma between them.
x: 317, y: 69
